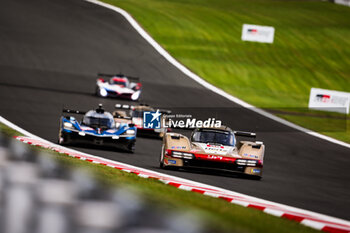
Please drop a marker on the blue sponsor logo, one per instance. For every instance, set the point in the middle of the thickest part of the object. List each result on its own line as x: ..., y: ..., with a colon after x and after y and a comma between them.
x: 255, y: 170
x: 151, y: 120
x: 172, y: 161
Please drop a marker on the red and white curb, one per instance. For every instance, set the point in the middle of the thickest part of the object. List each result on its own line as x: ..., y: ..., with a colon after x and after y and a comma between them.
x: 308, y: 218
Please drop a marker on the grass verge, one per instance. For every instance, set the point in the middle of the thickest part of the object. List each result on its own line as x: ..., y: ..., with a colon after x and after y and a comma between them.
x: 311, y: 48
x: 219, y: 215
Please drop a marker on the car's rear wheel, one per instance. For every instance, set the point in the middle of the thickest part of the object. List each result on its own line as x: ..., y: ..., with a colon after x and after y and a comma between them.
x: 98, y: 92
x: 256, y: 178
x: 63, y: 139
x: 161, y: 165
x: 161, y: 161
x: 131, y: 147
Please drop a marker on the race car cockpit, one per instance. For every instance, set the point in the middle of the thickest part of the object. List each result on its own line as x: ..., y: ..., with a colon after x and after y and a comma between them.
x: 99, y: 119
x: 209, y: 136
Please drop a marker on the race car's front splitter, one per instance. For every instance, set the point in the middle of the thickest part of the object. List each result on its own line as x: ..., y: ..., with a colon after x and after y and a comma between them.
x: 74, y: 138
x: 212, y: 166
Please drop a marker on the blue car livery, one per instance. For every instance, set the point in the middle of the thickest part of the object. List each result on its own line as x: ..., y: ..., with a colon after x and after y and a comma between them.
x: 96, y: 128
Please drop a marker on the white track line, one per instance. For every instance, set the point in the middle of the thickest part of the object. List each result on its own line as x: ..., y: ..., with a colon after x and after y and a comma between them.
x: 204, y: 83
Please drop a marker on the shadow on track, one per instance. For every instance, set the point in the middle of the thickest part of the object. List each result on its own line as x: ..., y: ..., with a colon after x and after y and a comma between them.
x: 211, y: 172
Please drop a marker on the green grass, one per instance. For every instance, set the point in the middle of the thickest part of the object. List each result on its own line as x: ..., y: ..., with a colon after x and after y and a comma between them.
x: 217, y: 215
x: 311, y: 47
x: 9, y: 132
x: 331, y: 127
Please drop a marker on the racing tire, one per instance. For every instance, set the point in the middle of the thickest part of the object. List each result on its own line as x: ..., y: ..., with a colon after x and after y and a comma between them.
x: 97, y: 92
x: 257, y: 177
x: 131, y: 147
x: 161, y: 161
x: 161, y: 165
x: 63, y: 139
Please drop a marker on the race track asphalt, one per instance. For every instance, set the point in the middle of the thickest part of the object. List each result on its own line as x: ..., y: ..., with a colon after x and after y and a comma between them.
x: 51, y: 51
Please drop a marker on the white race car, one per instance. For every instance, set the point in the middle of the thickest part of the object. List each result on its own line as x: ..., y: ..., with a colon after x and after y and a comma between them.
x: 118, y: 86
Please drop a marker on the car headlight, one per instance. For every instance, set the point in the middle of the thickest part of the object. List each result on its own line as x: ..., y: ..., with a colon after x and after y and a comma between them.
x: 247, y: 162
x: 177, y: 154
x: 130, y: 132
x: 68, y: 125
x: 103, y: 92
x: 136, y: 95
x: 184, y: 155
x: 251, y: 162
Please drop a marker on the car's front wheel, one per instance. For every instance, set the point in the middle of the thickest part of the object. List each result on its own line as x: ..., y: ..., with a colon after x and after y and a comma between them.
x: 161, y: 165
x: 63, y: 139
x: 131, y: 147
x: 98, y: 92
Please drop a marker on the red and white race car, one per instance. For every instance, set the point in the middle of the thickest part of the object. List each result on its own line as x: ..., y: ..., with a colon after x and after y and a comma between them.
x: 215, y: 149
x: 118, y: 86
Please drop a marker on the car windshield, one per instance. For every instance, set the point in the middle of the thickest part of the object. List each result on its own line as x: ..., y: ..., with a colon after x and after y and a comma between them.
x: 214, y: 137
x: 99, y: 120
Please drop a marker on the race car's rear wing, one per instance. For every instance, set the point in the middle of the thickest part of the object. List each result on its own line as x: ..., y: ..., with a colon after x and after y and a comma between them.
x: 124, y: 106
x: 245, y: 134
x: 98, y: 110
x: 74, y: 111
x: 127, y: 106
x: 122, y: 117
x: 131, y: 78
x: 164, y: 111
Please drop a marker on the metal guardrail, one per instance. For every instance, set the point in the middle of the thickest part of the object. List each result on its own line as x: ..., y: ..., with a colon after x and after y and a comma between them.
x: 39, y: 195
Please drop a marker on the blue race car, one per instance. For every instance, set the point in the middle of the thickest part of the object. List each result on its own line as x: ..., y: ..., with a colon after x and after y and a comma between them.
x: 97, y: 127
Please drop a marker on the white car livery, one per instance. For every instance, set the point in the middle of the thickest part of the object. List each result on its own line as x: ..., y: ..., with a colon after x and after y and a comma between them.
x: 118, y: 86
